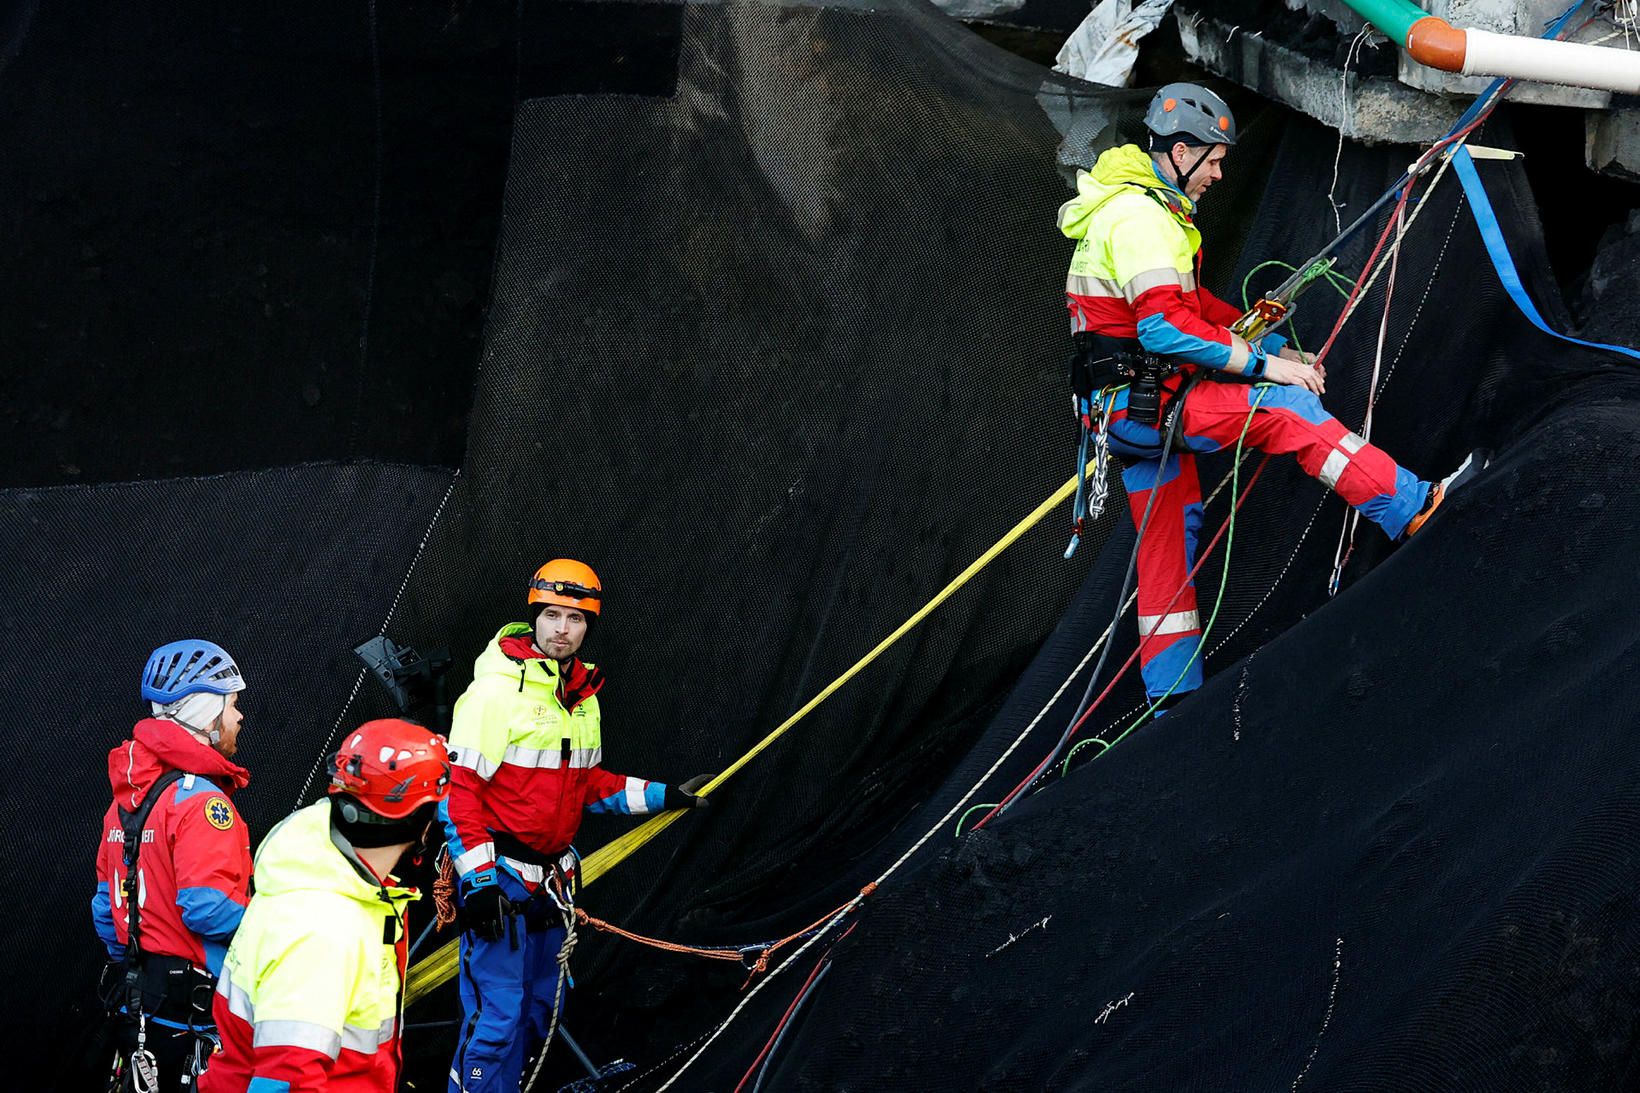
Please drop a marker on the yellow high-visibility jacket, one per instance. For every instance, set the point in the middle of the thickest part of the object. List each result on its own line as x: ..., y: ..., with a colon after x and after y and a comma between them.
x: 309, y: 991
x: 1135, y: 272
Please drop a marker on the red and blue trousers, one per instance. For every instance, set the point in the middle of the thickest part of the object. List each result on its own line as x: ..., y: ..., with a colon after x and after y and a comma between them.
x: 1284, y: 420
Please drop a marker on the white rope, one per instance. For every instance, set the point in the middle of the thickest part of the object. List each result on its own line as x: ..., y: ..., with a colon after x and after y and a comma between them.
x: 1345, y: 115
x: 903, y: 858
x: 564, y: 949
x: 358, y: 678
x: 1352, y: 519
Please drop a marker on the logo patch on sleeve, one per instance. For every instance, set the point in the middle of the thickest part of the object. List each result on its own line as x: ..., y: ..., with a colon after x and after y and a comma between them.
x: 218, y: 814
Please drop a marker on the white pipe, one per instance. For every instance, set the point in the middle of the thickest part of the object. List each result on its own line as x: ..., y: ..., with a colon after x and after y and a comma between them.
x: 1543, y: 60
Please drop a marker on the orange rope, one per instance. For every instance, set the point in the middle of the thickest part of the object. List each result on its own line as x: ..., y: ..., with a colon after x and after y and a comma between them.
x: 761, y: 964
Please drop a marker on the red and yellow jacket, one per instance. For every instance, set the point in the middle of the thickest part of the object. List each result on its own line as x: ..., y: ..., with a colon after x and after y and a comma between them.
x: 1136, y: 270
x: 309, y: 996
x: 194, y: 867
x: 527, y: 752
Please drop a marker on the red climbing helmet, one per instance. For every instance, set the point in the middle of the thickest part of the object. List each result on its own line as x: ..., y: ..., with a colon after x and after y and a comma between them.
x: 391, y: 767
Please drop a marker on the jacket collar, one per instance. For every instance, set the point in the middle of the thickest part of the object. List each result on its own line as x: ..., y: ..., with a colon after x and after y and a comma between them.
x: 158, y: 746
x: 575, y: 679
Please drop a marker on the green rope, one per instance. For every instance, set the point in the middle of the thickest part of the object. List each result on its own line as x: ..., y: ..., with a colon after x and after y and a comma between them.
x: 964, y: 818
x: 1317, y: 272
x: 1224, y: 581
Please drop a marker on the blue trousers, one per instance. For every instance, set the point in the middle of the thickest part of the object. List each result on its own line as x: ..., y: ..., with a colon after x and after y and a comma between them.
x: 507, y: 992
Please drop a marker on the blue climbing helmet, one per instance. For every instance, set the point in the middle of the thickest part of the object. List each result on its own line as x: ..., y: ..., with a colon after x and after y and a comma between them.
x: 187, y: 667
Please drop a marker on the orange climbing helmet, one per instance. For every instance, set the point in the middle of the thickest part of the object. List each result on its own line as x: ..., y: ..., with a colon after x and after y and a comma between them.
x: 567, y: 583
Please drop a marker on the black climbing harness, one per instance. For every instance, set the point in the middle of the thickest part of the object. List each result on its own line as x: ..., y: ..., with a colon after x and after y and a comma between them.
x: 150, y: 985
x: 1100, y: 367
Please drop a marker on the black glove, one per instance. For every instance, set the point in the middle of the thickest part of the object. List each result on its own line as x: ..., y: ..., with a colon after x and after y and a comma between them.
x: 684, y: 796
x: 484, y: 912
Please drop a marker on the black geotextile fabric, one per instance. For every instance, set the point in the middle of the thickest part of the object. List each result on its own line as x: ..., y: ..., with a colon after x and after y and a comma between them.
x: 780, y: 354
x: 815, y: 301
x: 767, y: 361
x: 811, y: 305
x: 288, y: 568
x: 1391, y: 850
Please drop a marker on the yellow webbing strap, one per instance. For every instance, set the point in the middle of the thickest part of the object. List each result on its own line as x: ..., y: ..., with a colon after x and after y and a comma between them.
x: 441, y: 966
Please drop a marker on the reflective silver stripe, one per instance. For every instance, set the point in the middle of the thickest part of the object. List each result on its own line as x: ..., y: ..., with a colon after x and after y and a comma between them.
x: 534, y: 874
x: 550, y: 758
x: 1149, y: 279
x: 473, y: 760
x: 1352, y: 443
x: 327, y: 1042
x: 367, y: 1041
x: 1241, y: 355
x: 477, y: 856
x: 1083, y: 285
x: 1187, y: 281
x: 634, y: 796
x: 239, y: 1003
x: 1333, y: 468
x: 1180, y: 622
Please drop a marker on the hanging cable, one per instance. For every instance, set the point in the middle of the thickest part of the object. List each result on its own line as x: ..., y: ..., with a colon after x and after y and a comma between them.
x: 1169, y: 436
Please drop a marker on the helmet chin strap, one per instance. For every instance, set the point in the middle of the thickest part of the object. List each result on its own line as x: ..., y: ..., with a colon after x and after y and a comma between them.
x: 1184, y: 179
x: 211, y: 735
x: 201, y: 714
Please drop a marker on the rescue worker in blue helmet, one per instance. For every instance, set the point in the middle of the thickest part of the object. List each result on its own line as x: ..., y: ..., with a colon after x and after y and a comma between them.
x: 526, y: 753
x: 173, y: 865
x: 1143, y: 325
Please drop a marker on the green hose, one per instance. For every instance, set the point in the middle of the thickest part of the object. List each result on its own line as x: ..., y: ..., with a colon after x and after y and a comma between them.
x: 1393, y: 17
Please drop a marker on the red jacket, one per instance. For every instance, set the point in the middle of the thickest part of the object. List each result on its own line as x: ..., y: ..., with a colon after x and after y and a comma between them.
x: 527, y: 754
x: 194, y: 867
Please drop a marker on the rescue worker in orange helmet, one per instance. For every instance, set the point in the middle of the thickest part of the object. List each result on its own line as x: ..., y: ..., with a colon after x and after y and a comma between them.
x: 527, y: 750
x: 308, y: 1000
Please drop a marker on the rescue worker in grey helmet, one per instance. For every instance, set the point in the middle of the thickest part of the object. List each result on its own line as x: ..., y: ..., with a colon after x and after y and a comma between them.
x: 1143, y: 326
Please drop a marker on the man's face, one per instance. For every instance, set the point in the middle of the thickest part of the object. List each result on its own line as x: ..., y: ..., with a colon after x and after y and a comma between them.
x: 1210, y: 171
x: 232, y: 718
x: 559, y: 631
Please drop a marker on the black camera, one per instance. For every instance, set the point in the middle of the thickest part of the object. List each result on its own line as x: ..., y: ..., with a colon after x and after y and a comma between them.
x: 1144, y: 404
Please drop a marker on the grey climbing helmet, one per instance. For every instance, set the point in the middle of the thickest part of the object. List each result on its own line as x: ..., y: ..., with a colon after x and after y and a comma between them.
x: 1191, y: 113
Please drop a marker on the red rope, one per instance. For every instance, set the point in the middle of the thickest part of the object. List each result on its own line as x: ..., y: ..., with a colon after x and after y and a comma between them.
x: 1134, y: 656
x: 791, y: 1009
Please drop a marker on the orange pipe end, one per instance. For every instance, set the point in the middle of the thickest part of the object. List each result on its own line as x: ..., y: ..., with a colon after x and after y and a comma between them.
x: 1438, y: 44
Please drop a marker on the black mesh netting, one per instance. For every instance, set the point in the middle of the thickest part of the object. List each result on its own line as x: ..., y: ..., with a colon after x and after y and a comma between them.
x: 780, y: 354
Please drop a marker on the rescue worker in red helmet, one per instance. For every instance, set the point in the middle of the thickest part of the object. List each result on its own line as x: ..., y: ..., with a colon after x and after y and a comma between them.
x: 1143, y: 324
x: 308, y: 999
x: 527, y: 751
x: 173, y: 865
